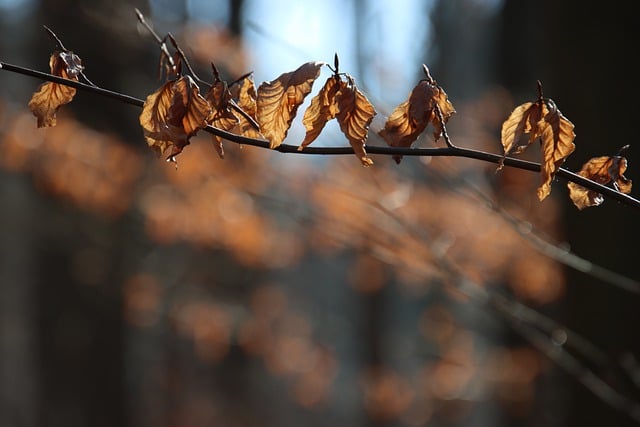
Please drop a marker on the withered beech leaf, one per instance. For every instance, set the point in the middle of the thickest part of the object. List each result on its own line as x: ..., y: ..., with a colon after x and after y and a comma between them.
x: 278, y: 100
x: 221, y: 115
x: 172, y: 115
x: 245, y: 95
x: 410, y: 118
x: 323, y: 107
x: 540, y: 119
x: 355, y: 113
x: 602, y: 170
x: 557, y: 144
x: 50, y: 96
x: 523, y: 119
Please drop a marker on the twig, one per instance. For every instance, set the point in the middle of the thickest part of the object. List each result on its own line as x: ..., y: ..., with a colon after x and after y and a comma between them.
x: 185, y: 60
x: 388, y: 151
x: 163, y: 46
x: 55, y: 38
x: 64, y: 49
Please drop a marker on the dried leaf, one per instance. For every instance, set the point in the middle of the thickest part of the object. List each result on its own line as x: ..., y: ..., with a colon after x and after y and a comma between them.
x: 411, y: 118
x: 523, y: 119
x: 355, y: 113
x: 172, y: 115
x: 342, y: 100
x: 557, y: 144
x: 323, y: 107
x: 245, y: 95
x: 602, y: 170
x: 221, y: 115
x: 50, y: 96
x: 543, y: 120
x: 278, y: 100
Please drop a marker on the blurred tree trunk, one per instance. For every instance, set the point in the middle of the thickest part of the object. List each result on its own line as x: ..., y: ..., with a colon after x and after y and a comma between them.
x: 589, y: 52
x: 19, y: 388
x: 235, y: 18
x: 78, y: 257
x: 581, y: 55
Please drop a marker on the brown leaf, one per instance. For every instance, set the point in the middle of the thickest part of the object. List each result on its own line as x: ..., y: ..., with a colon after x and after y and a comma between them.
x: 172, y: 115
x: 278, y: 100
x: 602, y: 170
x: 355, y: 113
x: 543, y: 120
x: 50, y: 96
x: 411, y: 117
x: 523, y: 119
x: 221, y: 115
x: 342, y: 100
x: 245, y: 95
x: 323, y: 107
x: 557, y: 144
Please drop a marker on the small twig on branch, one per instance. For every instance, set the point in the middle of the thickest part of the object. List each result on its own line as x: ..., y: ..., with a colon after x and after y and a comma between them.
x: 60, y: 45
x: 185, y: 60
x: 55, y: 38
x: 388, y: 151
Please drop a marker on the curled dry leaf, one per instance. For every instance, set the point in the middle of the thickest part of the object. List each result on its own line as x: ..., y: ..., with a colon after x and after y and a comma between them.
x: 221, y: 115
x: 323, y: 107
x: 602, y: 170
x: 172, y: 115
x: 245, y: 95
x: 355, y: 113
x: 557, y: 144
x: 411, y: 118
x: 541, y: 119
x: 341, y: 100
x: 50, y: 96
x: 523, y: 119
x: 278, y: 100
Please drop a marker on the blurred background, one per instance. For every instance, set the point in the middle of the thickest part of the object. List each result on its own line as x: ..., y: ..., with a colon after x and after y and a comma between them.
x: 286, y: 290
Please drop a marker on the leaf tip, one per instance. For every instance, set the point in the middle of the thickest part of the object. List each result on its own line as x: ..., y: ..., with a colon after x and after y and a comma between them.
x: 366, y: 161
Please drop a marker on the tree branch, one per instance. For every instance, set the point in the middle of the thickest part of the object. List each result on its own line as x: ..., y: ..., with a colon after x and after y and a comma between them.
x: 450, y: 151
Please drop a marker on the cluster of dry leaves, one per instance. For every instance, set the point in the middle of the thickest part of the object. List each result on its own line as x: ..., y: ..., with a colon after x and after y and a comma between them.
x: 176, y: 111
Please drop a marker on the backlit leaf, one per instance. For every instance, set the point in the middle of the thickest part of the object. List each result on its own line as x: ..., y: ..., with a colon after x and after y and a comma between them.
x: 411, y: 117
x: 602, y: 170
x: 540, y: 119
x: 278, y: 100
x: 355, y: 113
x: 342, y: 100
x: 50, y: 96
x: 557, y: 144
x: 323, y: 107
x: 172, y: 115
x: 523, y: 119
x: 221, y: 115
x: 245, y: 95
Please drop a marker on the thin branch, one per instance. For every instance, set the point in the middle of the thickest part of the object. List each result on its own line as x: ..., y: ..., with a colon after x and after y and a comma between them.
x: 161, y: 42
x: 55, y: 38
x: 389, y: 151
x: 445, y: 135
x: 64, y: 49
x: 185, y: 60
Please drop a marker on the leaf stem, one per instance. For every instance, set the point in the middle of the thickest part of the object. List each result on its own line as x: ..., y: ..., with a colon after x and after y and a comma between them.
x: 450, y: 151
